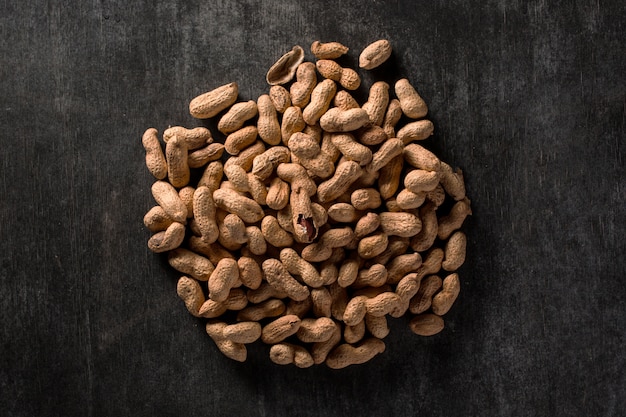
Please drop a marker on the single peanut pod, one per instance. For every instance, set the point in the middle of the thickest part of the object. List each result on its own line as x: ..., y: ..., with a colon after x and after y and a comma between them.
x: 353, y: 334
x: 442, y: 302
x: 419, y: 130
x: 402, y: 265
x: 205, y: 210
x: 400, y: 224
x: 454, y: 252
x: 315, y: 330
x: 236, y: 116
x: 245, y: 159
x: 214, y: 251
x: 426, y: 324
x: 436, y: 196
x: 236, y: 299
x: 232, y: 231
x: 264, y: 165
x: 350, y: 79
x: 328, y: 50
x: 346, y: 173
x: 407, y: 199
x: 339, y: 297
x: 377, y: 326
x: 406, y: 289
x: 156, y: 219
x: 374, y: 276
x: 212, y: 176
x: 365, y: 199
x: 194, y: 138
x: 388, y: 150
x: 232, y: 350
x: 305, y: 226
x: 453, y: 220
x: 377, y: 102
x: 303, y: 146
x: 283, y: 70
x: 280, y: 329
x: 348, y: 272
x: 396, y: 246
x: 372, y: 246
x: 265, y: 292
x: 267, y: 124
x: 351, y: 149
x: 167, y: 240
x: 421, y: 181
x: 338, y: 120
x: 250, y: 272
x: 247, y: 209
x: 280, y: 98
x: 190, y: 263
x: 256, y: 240
x: 383, y: 303
x: 190, y: 292
x: 296, y: 175
x: 209, y: 104
x: 278, y: 277
x: 155, y: 158
x: 355, y: 310
x: 345, y: 354
x: 343, y: 213
x: 389, y: 178
x: 427, y: 235
x: 320, y: 350
x: 176, y: 153
x: 329, y: 270
x: 424, y: 296
x: 222, y: 279
x: 371, y: 135
x: 299, y: 308
x: 292, y: 122
x: 257, y: 189
x: 329, y: 69
x: 392, y: 117
x: 421, y: 158
x: 431, y: 264
x: 274, y: 234
x: 289, y: 353
x: 321, y: 97
x: 366, y: 225
x: 306, y: 80
x: 375, y: 54
x: 412, y: 104
x: 452, y: 182
x: 240, y: 139
x: 298, y: 266
x: 277, y: 194
x: 242, y: 332
x: 211, y: 309
x: 322, y: 301
x: 344, y: 101
x: 203, y: 156
x: 322, y: 249
x: 256, y: 312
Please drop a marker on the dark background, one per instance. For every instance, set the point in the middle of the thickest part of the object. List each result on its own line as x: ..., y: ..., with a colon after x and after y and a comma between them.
x: 528, y: 97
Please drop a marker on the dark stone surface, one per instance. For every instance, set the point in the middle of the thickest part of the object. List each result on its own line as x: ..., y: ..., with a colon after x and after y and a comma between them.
x: 527, y: 97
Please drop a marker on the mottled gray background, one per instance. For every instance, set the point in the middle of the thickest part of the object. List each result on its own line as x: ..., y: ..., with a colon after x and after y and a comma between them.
x: 527, y: 97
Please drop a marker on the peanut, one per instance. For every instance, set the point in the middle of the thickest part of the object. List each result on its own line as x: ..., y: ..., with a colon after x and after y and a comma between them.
x: 426, y: 324
x: 283, y: 70
x: 292, y: 122
x: 242, y: 332
x: 156, y: 219
x: 442, y: 301
x: 209, y: 104
x: 350, y: 148
x: 400, y: 224
x: 306, y: 80
x: 249, y: 272
x: 232, y: 350
x: 155, y: 159
x: 419, y: 130
x: 375, y: 276
x: 267, y: 124
x: 278, y: 277
x: 454, y: 252
x: 191, y: 293
x: 353, y: 334
x: 315, y: 330
x: 375, y: 54
x: 289, y: 353
x: 377, y: 102
x: 345, y: 174
x: 424, y: 296
x: 167, y: 240
x: 321, y: 97
x: 338, y: 120
x: 240, y: 139
x: 322, y: 250
x: 329, y: 50
x: 412, y: 104
x: 392, y: 117
x: 451, y: 222
x: 202, y: 156
x: 236, y: 116
x: 280, y: 329
x: 345, y: 354
x: 247, y: 209
x: 269, y: 308
x: 190, y: 263
x: 194, y: 138
x: 389, y: 150
x: 402, y: 265
x: 222, y: 279
x: 376, y: 326
x: 298, y: 266
x: 322, y: 301
x: 280, y: 98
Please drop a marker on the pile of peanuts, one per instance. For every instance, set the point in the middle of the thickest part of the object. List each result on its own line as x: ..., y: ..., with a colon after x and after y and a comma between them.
x: 315, y: 219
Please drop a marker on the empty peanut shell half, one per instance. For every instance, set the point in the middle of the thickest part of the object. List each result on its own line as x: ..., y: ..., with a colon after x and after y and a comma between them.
x: 285, y: 68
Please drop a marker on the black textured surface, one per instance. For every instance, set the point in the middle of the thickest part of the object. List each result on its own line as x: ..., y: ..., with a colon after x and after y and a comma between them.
x: 527, y: 97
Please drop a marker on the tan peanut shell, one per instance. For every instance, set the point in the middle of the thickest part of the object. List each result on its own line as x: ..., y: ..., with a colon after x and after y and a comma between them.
x: 411, y: 102
x: 283, y: 70
x: 155, y: 158
x: 376, y: 104
x: 306, y: 80
x: 280, y: 329
x: 454, y: 252
x: 190, y: 263
x: 338, y: 120
x: 194, y: 138
x: 280, y: 98
x: 426, y: 324
x: 345, y: 354
x: 167, y: 240
x: 419, y: 130
x: 267, y: 124
x: 202, y: 156
x: 211, y: 103
x: 375, y: 54
x: 176, y: 154
x: 442, y: 301
x: 191, y: 293
x: 328, y: 50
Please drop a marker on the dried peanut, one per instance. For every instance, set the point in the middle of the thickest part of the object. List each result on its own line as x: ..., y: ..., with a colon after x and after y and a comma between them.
x: 328, y: 50
x: 280, y: 98
x: 156, y: 219
x: 190, y: 263
x: 366, y: 225
x: 452, y: 182
x: 376, y: 326
x: 424, y: 296
x: 298, y: 266
x: 289, y: 353
x: 267, y: 124
x: 194, y: 138
x: 280, y: 329
x: 321, y: 97
x: 345, y: 174
x: 321, y: 302
x: 351, y: 149
x: 365, y: 199
x: 453, y: 220
x: 345, y: 354
x: 155, y: 159
x: 338, y: 120
x: 402, y: 265
x: 315, y: 330
x: 292, y: 122
x: 232, y: 350
x: 222, y: 279
x: 306, y: 80
x: 388, y: 150
x: 374, y: 276
x: 392, y: 117
x: 283, y: 70
x: 419, y: 130
x: 213, y: 102
x: 377, y: 102
x: 278, y: 277
x: 236, y: 116
x: 412, y: 104
x: 353, y: 334
x: 167, y: 240
x: 240, y: 139
x: 372, y: 246
x: 322, y: 249
x: 190, y: 292
x: 203, y: 156
x: 442, y: 301
x: 407, y: 199
x: 268, y: 308
x: 375, y: 54
x: 400, y: 224
x: 426, y: 324
x: 247, y: 209
x: 454, y: 252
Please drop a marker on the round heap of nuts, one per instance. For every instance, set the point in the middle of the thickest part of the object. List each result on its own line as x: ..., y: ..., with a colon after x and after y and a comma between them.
x: 321, y: 218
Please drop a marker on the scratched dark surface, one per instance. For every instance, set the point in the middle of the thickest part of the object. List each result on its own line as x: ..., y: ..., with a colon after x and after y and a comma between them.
x: 527, y: 97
